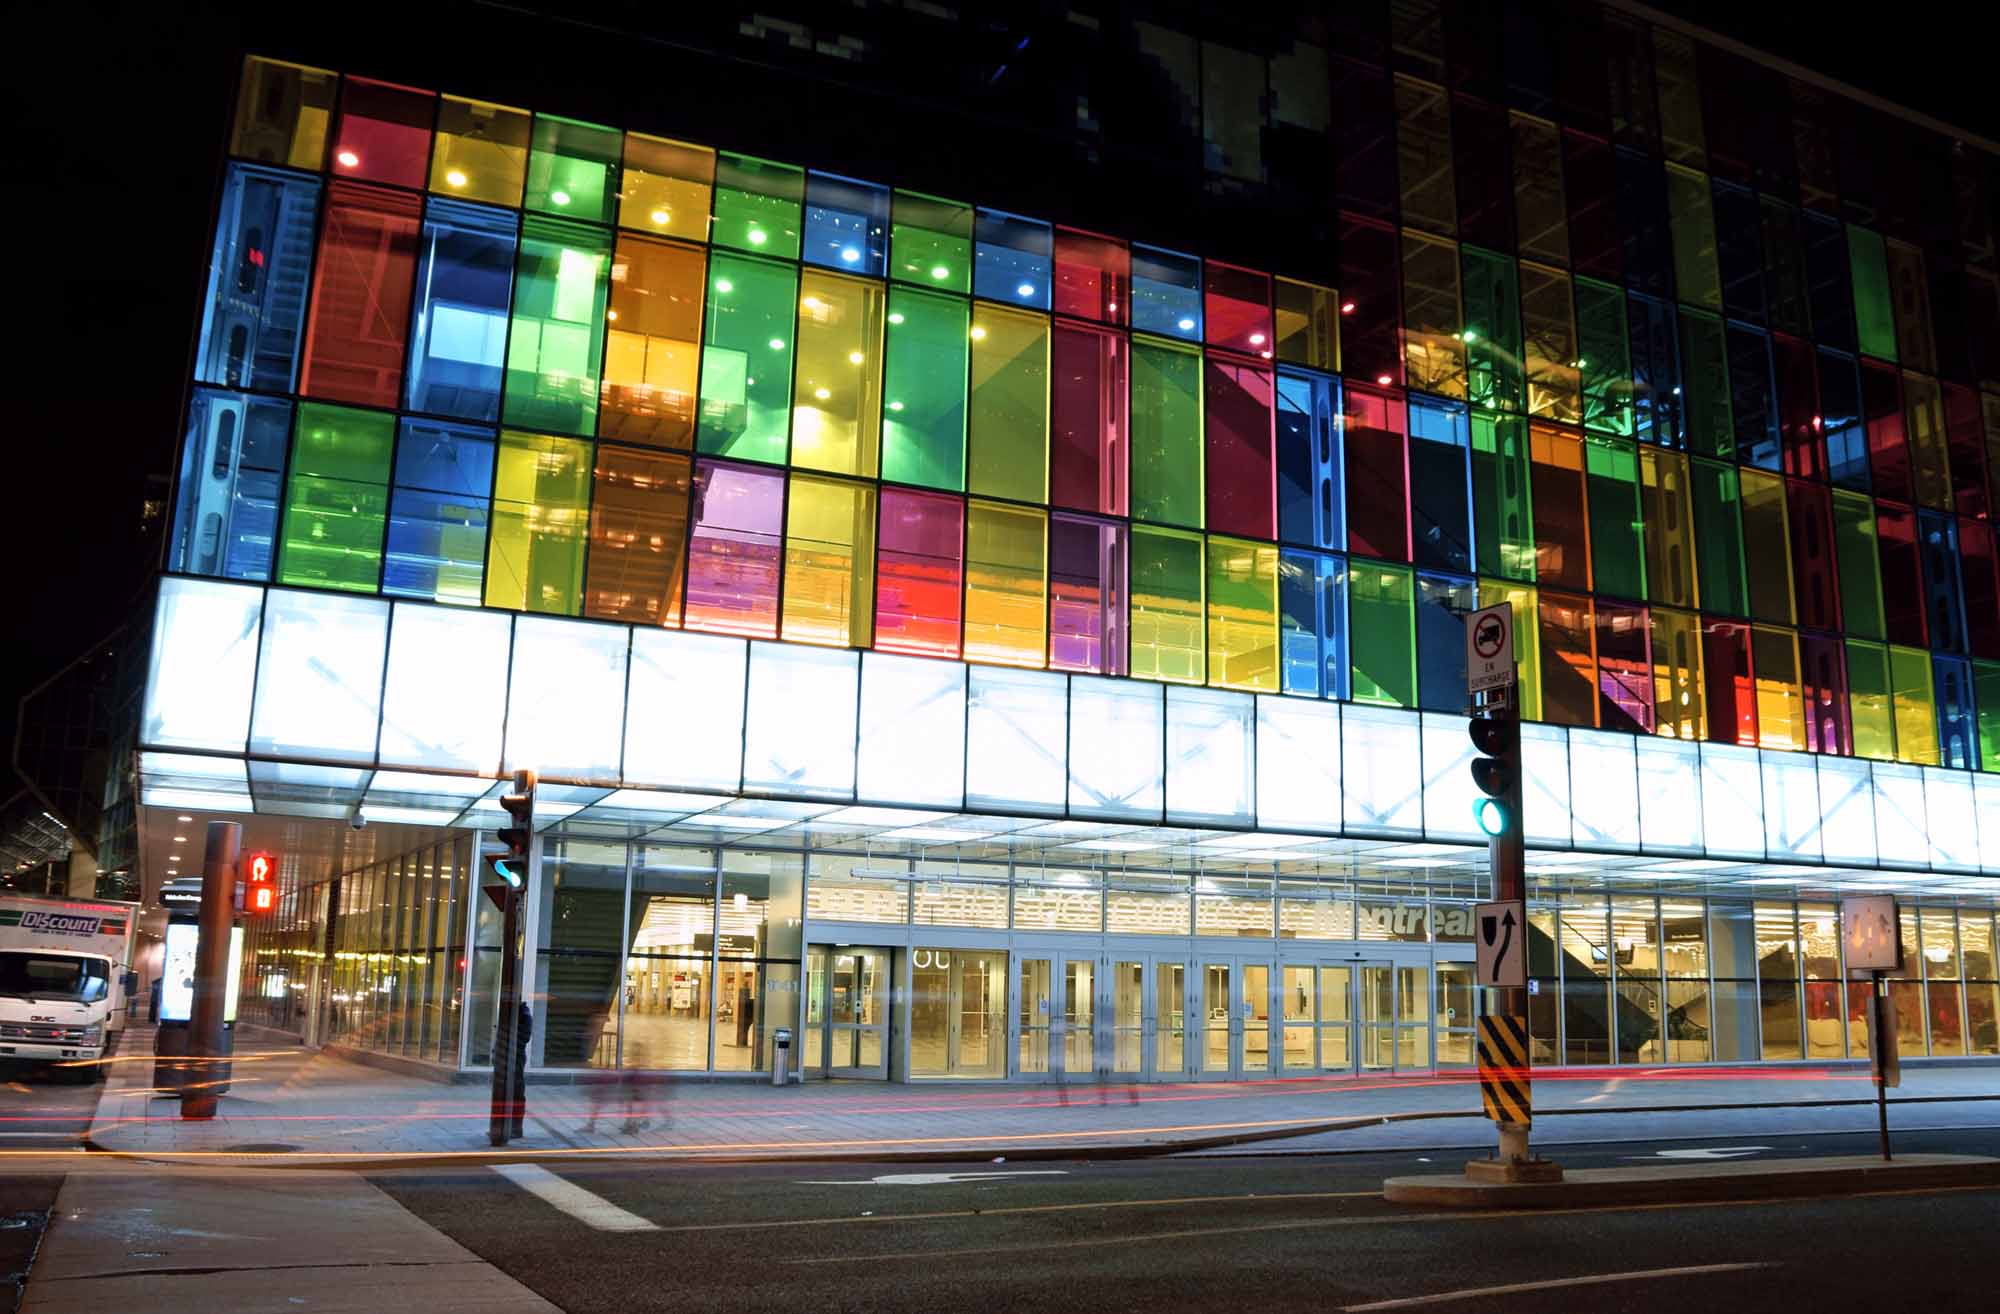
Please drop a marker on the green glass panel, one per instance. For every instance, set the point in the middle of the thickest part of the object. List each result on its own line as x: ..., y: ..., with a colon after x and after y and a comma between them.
x: 930, y: 242
x: 1666, y: 504
x: 1916, y: 714
x: 746, y: 358
x: 1617, y: 551
x: 1868, y: 699
x: 1493, y: 319
x: 555, y: 343
x: 1859, y: 559
x: 333, y: 533
x: 757, y: 205
x: 337, y: 499
x: 1711, y: 427
x: 1767, y: 547
x: 1693, y: 223
x: 573, y: 169
x: 1719, y: 539
x: 541, y: 509
x: 1607, y: 364
x: 1527, y: 638
x: 1381, y: 608
x: 1007, y: 436
x: 923, y: 424
x: 1167, y: 606
x: 1986, y: 698
x: 1503, y: 515
x: 1166, y: 433
x: 1874, y: 310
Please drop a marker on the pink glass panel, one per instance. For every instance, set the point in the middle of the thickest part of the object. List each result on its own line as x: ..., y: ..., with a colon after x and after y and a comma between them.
x: 1242, y: 497
x: 362, y: 282
x: 1236, y: 309
x: 1087, y: 438
x: 1093, y: 277
x: 736, y: 550
x: 1086, y: 595
x: 919, y: 573
x: 384, y: 134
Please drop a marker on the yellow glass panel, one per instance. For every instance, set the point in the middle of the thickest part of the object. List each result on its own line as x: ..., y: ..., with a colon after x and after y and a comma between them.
x: 1915, y: 710
x: 1007, y: 439
x: 480, y: 152
x: 1677, y: 689
x: 541, y: 512
x: 1781, y: 709
x: 1527, y: 638
x: 1243, y: 615
x: 282, y: 113
x: 652, y: 343
x: 830, y: 563
x: 1666, y: 507
x: 1169, y: 590
x: 1006, y: 585
x: 837, y: 384
x: 668, y: 187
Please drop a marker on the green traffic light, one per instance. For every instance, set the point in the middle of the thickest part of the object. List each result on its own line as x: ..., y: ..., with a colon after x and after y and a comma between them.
x: 505, y: 868
x: 1490, y: 816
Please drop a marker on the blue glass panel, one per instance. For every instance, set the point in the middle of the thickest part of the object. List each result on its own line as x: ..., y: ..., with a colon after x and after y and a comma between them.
x: 226, y: 505
x: 1440, y: 485
x: 1312, y: 623
x: 1310, y: 503
x: 1958, y: 733
x: 1013, y: 258
x: 1841, y: 421
x: 1656, y: 371
x: 458, y: 341
x: 1443, y: 603
x: 1753, y: 397
x: 1944, y: 604
x: 258, y: 271
x: 445, y: 458
x: 437, y: 547
x: 1166, y: 293
x: 847, y: 224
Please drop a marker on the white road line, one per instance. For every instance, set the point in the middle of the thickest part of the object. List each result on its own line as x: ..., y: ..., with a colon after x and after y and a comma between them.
x: 1514, y: 1288
x: 572, y: 1199
x: 68, y: 1136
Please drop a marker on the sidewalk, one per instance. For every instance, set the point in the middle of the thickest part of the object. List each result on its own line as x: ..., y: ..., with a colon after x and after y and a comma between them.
x: 296, y: 1108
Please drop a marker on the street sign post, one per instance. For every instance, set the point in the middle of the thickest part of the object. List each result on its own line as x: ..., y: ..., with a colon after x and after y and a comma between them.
x: 1500, y: 937
x: 1870, y: 936
x: 1489, y: 648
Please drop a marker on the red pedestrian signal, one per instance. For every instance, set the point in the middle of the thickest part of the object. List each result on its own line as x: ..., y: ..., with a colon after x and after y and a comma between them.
x: 257, y: 892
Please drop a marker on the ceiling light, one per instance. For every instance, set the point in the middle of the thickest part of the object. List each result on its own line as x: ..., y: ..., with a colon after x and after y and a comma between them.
x: 1347, y: 307
x: 821, y: 393
x: 758, y: 237
x: 895, y: 317
x: 348, y: 159
x: 940, y: 272
x: 560, y: 198
x: 978, y: 333
x: 660, y: 216
x: 724, y: 285
x: 895, y: 406
x: 185, y: 817
x: 1187, y: 324
x: 1384, y: 379
x: 1256, y: 339
x: 855, y: 358
x: 849, y: 254
x: 611, y: 314
x: 1026, y: 289
x: 777, y: 344
x: 180, y: 839
x: 456, y: 177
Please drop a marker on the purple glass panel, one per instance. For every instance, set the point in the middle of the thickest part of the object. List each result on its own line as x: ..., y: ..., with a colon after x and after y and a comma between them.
x: 1087, y: 420
x: 1086, y: 595
x: 736, y: 550
x: 1823, y: 664
x: 1242, y: 497
x: 919, y: 573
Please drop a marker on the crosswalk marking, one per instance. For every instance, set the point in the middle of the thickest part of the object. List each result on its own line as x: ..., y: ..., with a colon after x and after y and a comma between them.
x: 572, y: 1199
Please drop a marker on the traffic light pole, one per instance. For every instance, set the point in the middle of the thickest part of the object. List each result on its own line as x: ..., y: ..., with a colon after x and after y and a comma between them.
x: 211, y: 970
x: 506, y: 1083
x: 1506, y: 858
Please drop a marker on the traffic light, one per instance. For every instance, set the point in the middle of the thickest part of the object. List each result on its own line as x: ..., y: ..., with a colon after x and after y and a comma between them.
x: 257, y: 891
x: 510, y: 861
x: 1496, y: 771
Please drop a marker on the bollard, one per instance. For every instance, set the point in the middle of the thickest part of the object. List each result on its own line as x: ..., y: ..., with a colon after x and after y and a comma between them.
x: 781, y: 1056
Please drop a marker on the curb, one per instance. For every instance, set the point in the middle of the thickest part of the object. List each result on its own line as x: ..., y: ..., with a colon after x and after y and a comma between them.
x: 1687, y: 1184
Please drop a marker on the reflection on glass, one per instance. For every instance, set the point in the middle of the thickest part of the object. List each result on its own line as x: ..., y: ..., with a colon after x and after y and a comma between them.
x: 1128, y: 1011
x: 1170, y: 1017
x: 1297, y: 1000
x: 1257, y: 1017
x: 1036, y: 990
x: 1215, y: 1012
x: 958, y: 1001
x: 1079, y: 1016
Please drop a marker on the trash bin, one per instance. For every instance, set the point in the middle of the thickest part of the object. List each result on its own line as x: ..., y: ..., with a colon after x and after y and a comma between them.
x: 781, y: 1056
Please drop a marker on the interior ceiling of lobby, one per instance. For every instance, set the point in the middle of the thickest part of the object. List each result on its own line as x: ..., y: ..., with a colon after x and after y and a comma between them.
x: 406, y: 812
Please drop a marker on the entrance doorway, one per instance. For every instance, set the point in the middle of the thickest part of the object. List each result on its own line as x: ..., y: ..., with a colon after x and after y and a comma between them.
x: 958, y: 1013
x: 1392, y: 1010
x: 1057, y: 1010
x: 1235, y: 1033
x: 847, y: 1012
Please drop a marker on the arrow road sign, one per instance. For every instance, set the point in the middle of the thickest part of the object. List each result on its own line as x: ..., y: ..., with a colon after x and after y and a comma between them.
x: 1500, y: 935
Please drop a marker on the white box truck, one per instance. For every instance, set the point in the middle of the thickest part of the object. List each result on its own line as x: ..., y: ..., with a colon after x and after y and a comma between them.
x: 64, y: 965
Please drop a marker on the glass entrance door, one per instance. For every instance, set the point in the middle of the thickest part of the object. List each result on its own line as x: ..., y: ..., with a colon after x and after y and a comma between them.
x: 1236, y: 1035
x: 1127, y: 1018
x: 1392, y: 1013
x: 1457, y: 1014
x: 1056, y: 1014
x: 847, y: 1012
x: 1171, y: 1050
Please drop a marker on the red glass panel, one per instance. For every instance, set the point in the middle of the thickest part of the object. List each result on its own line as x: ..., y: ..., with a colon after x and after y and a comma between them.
x: 1378, y: 474
x: 736, y: 550
x: 1727, y: 681
x: 1086, y: 595
x: 361, y: 296
x: 1242, y: 497
x: 1902, y: 574
x: 384, y: 133
x: 1569, y: 665
x: 1093, y: 277
x: 1823, y: 681
x: 1624, y: 668
x: 1979, y: 576
x: 1815, y: 574
x: 919, y: 573
x: 1087, y: 432
x: 1888, y: 452
x: 638, y: 532
x: 1800, y: 426
x: 1371, y: 342
x: 1964, y: 438
x: 1236, y: 309
x: 1562, y: 521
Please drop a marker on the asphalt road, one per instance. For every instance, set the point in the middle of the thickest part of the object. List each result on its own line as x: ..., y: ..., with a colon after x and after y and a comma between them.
x: 39, y: 1110
x: 1192, y: 1233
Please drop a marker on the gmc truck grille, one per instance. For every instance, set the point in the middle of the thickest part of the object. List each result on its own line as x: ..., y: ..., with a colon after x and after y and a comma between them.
x: 44, y: 1034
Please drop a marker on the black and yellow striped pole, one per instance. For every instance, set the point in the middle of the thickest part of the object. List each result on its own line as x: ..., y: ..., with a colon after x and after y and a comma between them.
x: 1505, y: 1088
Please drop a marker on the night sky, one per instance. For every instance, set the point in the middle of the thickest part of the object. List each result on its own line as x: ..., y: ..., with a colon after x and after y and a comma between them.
x: 117, y: 114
